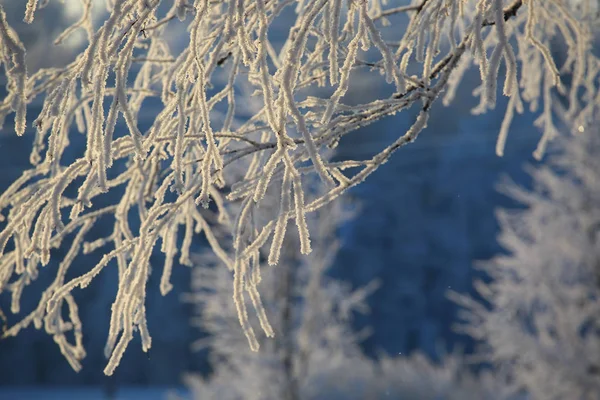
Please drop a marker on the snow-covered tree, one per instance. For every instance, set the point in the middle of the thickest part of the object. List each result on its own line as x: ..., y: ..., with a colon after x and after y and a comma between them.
x: 541, y: 313
x: 171, y: 170
x: 315, y: 353
x: 309, y: 314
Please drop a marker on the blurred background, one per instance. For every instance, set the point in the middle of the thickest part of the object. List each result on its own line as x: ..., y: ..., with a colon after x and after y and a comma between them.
x: 423, y: 221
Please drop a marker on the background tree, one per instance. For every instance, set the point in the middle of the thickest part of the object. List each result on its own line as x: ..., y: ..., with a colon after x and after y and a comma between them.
x: 168, y: 168
x: 541, y: 316
x: 315, y: 353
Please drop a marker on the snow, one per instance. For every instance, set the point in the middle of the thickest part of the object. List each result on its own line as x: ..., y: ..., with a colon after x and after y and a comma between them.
x: 86, y: 393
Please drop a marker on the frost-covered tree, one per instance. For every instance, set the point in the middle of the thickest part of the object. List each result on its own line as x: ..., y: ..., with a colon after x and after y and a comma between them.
x: 309, y: 314
x: 541, y: 317
x: 170, y: 170
x: 315, y: 353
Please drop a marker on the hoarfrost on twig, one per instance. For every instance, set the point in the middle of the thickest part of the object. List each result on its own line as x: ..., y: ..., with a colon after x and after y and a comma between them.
x: 208, y: 149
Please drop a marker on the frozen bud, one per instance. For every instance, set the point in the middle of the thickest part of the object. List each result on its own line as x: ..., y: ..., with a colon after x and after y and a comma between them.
x: 181, y: 9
